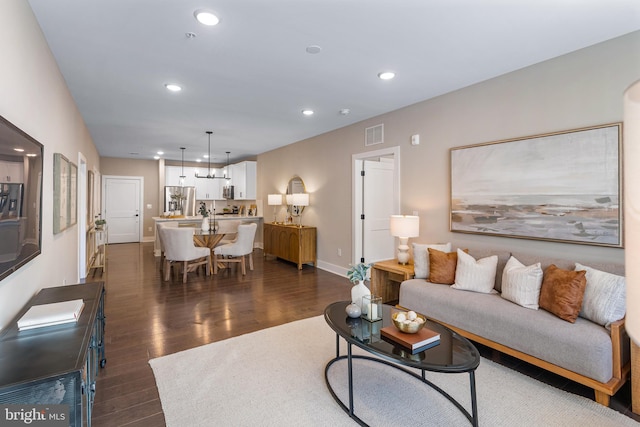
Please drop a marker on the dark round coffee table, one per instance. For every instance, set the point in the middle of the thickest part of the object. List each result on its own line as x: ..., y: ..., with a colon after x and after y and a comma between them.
x: 454, y: 354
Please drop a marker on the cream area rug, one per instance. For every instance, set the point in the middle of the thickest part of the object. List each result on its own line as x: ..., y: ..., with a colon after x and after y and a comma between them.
x: 275, y: 377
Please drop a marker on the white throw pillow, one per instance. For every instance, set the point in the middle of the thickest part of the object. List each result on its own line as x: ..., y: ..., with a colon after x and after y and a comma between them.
x: 421, y: 257
x: 521, y: 284
x: 476, y: 276
x: 604, y: 297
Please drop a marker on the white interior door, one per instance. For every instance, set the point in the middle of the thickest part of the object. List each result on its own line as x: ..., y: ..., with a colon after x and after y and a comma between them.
x: 122, y: 208
x: 377, y: 242
x: 376, y: 193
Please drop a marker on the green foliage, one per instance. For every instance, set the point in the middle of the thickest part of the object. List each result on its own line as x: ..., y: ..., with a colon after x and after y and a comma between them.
x: 358, y: 272
x: 202, y: 210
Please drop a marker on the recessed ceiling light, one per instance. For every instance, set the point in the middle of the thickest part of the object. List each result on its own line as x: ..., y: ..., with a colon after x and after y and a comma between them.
x: 206, y: 17
x: 344, y: 111
x: 386, y: 75
x: 160, y: 153
x: 198, y: 160
x: 31, y: 155
x: 307, y: 112
x: 173, y: 87
x: 19, y: 150
x: 156, y: 157
x: 206, y: 156
x: 313, y: 49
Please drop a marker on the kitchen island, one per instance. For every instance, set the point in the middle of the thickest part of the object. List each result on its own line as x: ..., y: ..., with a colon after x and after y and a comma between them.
x: 196, y: 222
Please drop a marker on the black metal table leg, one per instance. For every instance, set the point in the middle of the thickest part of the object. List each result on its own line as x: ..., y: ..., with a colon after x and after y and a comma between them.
x: 474, y: 403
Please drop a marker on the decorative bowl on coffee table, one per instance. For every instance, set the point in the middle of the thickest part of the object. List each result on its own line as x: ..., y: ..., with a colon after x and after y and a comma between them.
x: 408, y: 322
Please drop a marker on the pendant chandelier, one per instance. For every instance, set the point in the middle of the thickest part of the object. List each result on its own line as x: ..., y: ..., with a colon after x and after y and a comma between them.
x: 182, y: 175
x: 209, y: 175
x: 227, y: 175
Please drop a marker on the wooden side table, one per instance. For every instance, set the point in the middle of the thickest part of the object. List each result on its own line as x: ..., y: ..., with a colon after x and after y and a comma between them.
x: 386, y: 277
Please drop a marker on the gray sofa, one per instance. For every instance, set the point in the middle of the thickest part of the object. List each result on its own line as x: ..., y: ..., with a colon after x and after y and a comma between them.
x: 583, y: 351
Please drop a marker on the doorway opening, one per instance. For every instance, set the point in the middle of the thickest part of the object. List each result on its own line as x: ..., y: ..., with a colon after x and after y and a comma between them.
x: 376, y: 190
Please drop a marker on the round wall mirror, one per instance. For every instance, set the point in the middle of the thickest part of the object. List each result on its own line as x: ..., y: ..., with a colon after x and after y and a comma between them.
x: 295, y: 185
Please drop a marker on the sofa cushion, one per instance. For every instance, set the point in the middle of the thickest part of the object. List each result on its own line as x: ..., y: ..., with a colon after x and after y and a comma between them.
x: 604, y: 297
x: 582, y: 347
x: 421, y: 257
x: 521, y: 284
x: 562, y: 292
x: 442, y: 266
x: 475, y: 276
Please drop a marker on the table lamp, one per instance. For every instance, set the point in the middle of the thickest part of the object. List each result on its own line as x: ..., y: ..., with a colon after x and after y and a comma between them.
x: 404, y: 227
x: 274, y: 200
x: 300, y: 200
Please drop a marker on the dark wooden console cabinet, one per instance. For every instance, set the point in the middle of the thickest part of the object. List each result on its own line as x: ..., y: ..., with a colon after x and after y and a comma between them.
x: 56, y: 364
x: 291, y: 242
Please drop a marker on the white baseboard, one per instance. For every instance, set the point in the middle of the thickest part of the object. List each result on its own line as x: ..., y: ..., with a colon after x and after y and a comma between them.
x: 332, y: 268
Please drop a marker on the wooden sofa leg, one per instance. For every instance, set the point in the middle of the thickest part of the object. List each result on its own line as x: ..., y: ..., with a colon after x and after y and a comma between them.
x: 602, y: 398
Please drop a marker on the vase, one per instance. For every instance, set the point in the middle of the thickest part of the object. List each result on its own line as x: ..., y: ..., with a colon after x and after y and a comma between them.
x: 353, y: 310
x: 358, y: 291
x: 205, y: 224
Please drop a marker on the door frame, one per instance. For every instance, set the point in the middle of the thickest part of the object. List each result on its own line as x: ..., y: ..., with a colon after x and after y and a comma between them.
x: 357, y: 191
x: 82, y: 218
x: 103, y: 209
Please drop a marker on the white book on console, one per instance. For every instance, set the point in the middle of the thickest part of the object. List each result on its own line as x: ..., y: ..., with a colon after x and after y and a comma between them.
x: 51, y: 314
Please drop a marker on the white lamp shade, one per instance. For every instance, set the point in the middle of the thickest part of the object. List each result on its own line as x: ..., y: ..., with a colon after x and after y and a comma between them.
x: 300, y: 199
x: 274, y: 199
x: 405, y: 226
x: 289, y: 198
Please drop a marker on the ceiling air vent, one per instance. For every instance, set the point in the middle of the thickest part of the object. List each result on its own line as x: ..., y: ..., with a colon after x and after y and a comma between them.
x: 374, y: 135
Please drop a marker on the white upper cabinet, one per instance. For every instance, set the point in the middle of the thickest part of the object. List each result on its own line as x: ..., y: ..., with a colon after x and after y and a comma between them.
x: 172, y: 175
x: 243, y: 179
x: 210, y: 189
x: 11, y: 172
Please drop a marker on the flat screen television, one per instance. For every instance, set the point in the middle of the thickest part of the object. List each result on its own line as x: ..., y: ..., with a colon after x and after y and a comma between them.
x: 20, y: 198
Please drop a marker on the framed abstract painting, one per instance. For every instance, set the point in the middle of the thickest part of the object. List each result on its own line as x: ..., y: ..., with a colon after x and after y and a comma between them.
x: 563, y: 186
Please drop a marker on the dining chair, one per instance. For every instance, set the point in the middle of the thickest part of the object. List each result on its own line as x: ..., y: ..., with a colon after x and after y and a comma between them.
x: 228, y: 227
x: 238, y: 250
x: 179, y: 248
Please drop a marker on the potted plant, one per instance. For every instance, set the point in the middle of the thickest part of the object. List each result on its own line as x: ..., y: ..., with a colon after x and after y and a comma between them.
x: 357, y: 275
x: 100, y: 224
x: 202, y: 210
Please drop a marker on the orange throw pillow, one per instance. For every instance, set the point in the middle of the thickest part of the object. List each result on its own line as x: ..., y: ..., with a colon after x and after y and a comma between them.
x: 442, y: 266
x: 562, y: 292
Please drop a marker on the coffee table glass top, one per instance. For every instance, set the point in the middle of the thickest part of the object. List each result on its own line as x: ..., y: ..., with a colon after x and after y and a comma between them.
x: 454, y: 353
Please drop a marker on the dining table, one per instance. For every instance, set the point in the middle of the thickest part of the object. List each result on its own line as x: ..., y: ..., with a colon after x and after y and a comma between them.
x: 208, y: 239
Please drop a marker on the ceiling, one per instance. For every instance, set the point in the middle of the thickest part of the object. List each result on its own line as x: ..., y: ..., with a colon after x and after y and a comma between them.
x: 248, y: 78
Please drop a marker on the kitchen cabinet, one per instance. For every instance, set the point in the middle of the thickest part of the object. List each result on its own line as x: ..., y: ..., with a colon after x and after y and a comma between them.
x: 243, y: 179
x: 210, y: 189
x: 291, y: 243
x: 172, y: 176
x: 11, y: 172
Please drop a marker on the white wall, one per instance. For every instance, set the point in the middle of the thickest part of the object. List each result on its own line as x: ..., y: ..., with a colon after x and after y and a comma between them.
x: 35, y: 98
x: 580, y: 89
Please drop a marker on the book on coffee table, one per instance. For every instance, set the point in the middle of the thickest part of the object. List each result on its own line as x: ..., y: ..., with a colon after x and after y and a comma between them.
x: 57, y: 313
x: 417, y: 342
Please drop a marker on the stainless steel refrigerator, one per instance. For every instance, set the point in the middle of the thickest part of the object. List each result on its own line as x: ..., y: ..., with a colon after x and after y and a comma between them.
x: 10, y: 200
x: 182, y: 199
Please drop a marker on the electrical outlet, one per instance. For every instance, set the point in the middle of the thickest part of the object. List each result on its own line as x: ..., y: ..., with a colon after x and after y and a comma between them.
x: 64, y: 281
x: 339, y: 252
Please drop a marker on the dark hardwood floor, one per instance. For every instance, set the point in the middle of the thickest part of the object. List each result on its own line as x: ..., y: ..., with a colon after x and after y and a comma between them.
x: 148, y: 318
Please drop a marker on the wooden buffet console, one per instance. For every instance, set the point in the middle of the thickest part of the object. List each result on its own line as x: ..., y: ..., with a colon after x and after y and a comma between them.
x: 291, y: 243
